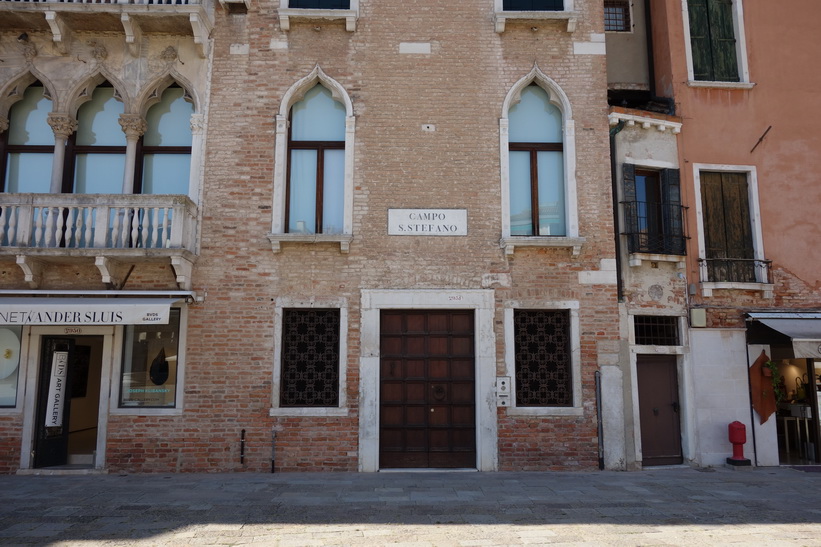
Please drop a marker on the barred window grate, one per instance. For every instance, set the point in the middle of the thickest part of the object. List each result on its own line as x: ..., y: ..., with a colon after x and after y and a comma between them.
x: 310, y: 358
x: 542, y: 347
x: 617, y: 15
x: 652, y: 330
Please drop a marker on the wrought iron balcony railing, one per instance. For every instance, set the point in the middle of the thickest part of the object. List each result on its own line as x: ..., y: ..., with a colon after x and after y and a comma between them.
x: 735, y: 270
x: 657, y: 228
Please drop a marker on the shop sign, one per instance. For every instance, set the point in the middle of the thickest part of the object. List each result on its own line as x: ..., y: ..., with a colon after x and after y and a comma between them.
x: 84, y: 311
x: 427, y: 222
x: 57, y: 389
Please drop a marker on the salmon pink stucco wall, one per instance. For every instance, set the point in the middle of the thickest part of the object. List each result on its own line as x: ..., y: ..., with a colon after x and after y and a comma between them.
x: 723, y: 126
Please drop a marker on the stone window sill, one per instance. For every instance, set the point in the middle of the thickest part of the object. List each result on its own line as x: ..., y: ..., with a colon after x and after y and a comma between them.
x: 308, y: 412
x: 721, y: 85
x: 545, y: 411
x: 344, y: 240
x: 502, y: 17
x: 636, y: 259
x: 348, y: 15
x: 766, y: 289
x: 509, y: 244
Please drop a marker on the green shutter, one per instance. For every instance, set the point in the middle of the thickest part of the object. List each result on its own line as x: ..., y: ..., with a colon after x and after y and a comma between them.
x: 727, y: 226
x: 700, y: 40
x: 722, y: 41
x: 712, y: 40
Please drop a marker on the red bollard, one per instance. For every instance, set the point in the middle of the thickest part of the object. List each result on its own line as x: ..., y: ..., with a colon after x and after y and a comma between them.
x: 738, y: 436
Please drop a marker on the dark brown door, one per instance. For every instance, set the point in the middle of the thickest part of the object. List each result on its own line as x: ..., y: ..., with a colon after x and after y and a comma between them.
x: 659, y: 409
x: 427, y: 389
x: 54, y: 401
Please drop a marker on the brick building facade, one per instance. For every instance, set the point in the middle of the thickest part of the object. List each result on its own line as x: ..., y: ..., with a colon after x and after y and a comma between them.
x: 394, y: 247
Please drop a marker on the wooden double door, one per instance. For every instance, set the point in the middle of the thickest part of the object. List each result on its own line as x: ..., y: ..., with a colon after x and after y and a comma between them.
x: 427, y: 389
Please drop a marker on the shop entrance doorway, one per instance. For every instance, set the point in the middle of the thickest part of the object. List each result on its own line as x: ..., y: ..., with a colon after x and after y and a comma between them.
x: 427, y: 389
x: 659, y: 419
x: 68, y: 401
x: 797, y: 417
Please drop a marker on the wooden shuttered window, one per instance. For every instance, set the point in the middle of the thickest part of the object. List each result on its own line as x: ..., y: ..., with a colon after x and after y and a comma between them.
x: 728, y: 236
x: 712, y: 40
x: 653, y: 217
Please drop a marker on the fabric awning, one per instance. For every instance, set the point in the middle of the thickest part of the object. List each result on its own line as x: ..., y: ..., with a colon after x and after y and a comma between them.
x: 804, y: 329
x: 85, y: 311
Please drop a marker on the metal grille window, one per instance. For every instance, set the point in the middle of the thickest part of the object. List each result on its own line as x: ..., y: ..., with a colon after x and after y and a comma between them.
x: 310, y: 358
x: 653, y: 330
x: 320, y: 4
x: 617, y: 15
x: 542, y: 350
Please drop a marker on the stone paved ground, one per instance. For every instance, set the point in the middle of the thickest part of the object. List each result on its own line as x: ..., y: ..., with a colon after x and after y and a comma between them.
x: 672, y: 506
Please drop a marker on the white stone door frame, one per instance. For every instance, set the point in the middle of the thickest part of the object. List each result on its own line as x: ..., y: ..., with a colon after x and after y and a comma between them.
x: 33, y: 349
x: 482, y: 303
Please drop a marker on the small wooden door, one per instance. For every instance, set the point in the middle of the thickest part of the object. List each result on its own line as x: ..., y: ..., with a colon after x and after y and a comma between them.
x: 53, y: 402
x: 427, y: 389
x: 659, y: 410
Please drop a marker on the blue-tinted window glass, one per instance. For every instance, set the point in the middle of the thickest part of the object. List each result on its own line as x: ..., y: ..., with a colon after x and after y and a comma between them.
x: 28, y: 119
x: 302, y: 206
x: 521, y: 223
x: 28, y: 173
x: 333, y: 190
x: 169, y: 121
x: 318, y: 117
x: 534, y: 119
x: 551, y: 194
x: 99, y: 173
x: 166, y: 173
x: 99, y: 120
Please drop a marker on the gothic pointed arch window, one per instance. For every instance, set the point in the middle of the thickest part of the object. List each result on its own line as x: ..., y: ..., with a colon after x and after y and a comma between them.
x: 27, y: 147
x: 537, y: 147
x: 164, y: 157
x: 313, y: 174
x: 96, y: 153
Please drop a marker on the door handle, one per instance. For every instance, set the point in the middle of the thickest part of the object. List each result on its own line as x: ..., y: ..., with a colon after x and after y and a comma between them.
x: 675, y: 407
x: 655, y: 412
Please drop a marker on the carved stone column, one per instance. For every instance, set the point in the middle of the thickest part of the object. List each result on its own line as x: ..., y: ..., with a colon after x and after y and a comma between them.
x: 134, y: 127
x: 197, y: 146
x: 63, y: 126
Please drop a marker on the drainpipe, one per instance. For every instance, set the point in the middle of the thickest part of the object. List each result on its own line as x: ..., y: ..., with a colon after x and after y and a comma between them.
x: 614, y: 178
x: 599, y: 427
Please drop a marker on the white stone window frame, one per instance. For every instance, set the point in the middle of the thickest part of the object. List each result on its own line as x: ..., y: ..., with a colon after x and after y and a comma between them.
x: 283, y: 303
x: 483, y: 303
x: 708, y: 286
x: 117, y: 366
x: 740, y: 47
x: 287, y: 13
x: 501, y: 16
x: 559, y: 99
x: 572, y: 306
x: 295, y: 94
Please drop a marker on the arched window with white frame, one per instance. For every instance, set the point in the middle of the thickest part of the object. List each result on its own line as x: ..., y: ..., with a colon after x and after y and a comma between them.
x: 28, y: 144
x: 313, y: 173
x: 538, y: 166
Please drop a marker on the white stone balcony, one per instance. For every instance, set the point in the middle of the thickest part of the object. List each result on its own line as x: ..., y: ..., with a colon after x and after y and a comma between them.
x: 112, y: 230
x: 63, y: 18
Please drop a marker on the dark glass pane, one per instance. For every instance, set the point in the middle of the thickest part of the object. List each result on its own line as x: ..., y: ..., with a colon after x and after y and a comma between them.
x: 533, y: 5
x: 320, y: 4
